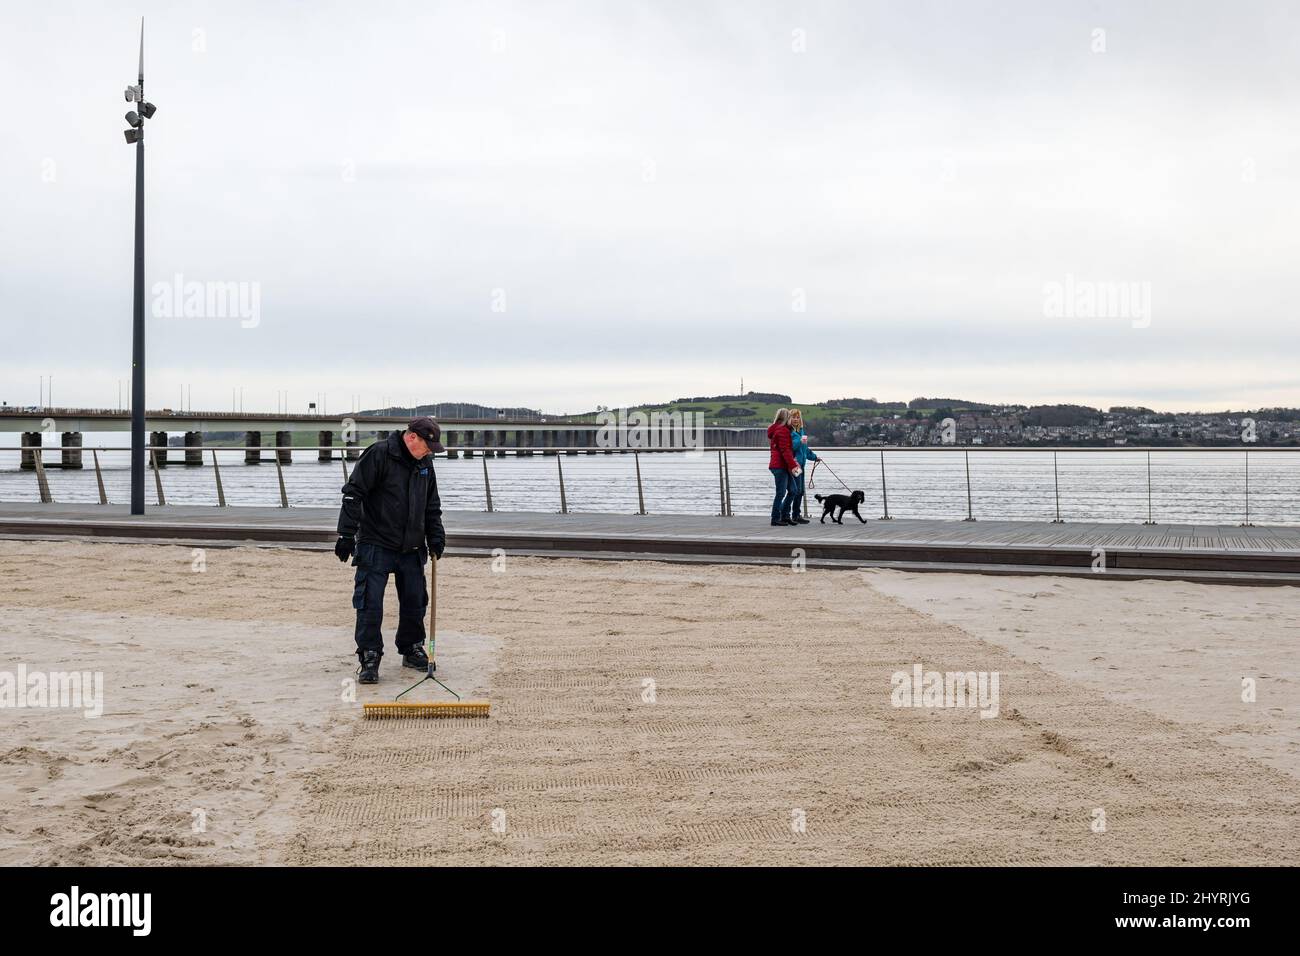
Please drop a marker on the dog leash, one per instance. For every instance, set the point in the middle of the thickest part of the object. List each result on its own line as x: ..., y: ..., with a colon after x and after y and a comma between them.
x: 832, y: 471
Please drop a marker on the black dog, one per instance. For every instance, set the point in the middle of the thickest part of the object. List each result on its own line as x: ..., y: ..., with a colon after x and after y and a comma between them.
x: 844, y: 503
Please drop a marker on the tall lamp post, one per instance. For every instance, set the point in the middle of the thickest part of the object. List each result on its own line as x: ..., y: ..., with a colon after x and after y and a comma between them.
x: 135, y: 94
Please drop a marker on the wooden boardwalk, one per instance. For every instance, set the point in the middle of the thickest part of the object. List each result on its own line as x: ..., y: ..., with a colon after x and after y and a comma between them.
x: 1197, y: 552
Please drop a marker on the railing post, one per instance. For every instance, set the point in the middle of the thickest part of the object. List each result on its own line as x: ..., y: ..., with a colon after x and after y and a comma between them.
x: 99, y: 477
x: 216, y: 472
x: 1149, y: 518
x: 157, y: 478
x: 279, y: 473
x: 487, y: 485
x: 1246, y: 523
x: 564, y: 502
x: 640, y: 495
x: 884, y: 490
x: 343, y: 460
x: 722, y: 495
x: 970, y: 514
x: 1056, y: 482
x: 726, y: 471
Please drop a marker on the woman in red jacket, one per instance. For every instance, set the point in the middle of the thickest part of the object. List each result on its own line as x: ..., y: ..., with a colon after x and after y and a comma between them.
x: 783, y: 467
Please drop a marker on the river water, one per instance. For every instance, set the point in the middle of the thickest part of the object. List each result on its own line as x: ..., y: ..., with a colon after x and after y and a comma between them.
x: 1206, y: 487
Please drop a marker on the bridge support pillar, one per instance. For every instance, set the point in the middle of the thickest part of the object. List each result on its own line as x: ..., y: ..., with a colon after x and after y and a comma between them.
x: 326, y: 442
x: 571, y: 442
x: 519, y: 443
x: 253, y: 453
x: 71, y: 457
x: 589, y: 439
x: 159, y: 441
x: 30, y: 440
x: 284, y: 455
x: 354, y: 449
x: 449, y: 443
x: 194, y: 449
x: 469, y: 440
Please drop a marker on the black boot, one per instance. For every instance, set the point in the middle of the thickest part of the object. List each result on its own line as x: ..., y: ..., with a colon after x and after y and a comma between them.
x: 368, y: 671
x: 415, y: 658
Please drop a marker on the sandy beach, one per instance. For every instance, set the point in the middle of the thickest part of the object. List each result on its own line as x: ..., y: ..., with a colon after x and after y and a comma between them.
x: 643, y: 713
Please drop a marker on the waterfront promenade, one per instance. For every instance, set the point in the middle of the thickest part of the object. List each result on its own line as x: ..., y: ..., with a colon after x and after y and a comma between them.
x: 1211, y: 553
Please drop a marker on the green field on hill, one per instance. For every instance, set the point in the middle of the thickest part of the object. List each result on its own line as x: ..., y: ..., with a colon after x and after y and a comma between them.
x: 752, y: 413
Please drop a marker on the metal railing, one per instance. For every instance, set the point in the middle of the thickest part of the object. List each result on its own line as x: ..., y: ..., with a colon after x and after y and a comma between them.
x: 282, y: 454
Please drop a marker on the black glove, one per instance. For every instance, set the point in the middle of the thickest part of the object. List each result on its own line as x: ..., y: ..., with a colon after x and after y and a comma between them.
x: 434, y: 549
x: 345, y: 547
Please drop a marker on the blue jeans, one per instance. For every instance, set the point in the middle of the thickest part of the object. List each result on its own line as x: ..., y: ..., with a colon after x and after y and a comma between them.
x: 798, y: 492
x: 374, y: 564
x: 785, y: 484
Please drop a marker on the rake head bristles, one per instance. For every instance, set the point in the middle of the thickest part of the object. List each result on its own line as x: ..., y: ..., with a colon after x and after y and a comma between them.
x: 441, y: 708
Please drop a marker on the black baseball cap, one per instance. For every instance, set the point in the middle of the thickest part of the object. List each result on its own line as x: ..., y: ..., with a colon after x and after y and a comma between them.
x: 429, y: 430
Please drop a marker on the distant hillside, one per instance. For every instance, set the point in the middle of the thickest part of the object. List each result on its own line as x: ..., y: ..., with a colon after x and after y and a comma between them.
x: 1061, y: 415
x: 861, y: 403
x: 775, y: 397
x: 953, y: 403
x: 757, y: 409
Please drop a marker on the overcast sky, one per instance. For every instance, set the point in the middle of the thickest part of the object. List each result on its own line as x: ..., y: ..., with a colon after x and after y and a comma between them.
x: 570, y: 204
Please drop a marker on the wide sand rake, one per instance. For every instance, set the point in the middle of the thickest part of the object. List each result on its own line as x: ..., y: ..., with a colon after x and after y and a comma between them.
x: 433, y: 708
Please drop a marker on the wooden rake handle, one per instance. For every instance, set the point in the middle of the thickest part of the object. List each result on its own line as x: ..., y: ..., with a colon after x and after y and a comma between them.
x: 433, y: 604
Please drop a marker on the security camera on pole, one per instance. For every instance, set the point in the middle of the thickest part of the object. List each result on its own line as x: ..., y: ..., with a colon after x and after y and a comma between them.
x: 135, y: 94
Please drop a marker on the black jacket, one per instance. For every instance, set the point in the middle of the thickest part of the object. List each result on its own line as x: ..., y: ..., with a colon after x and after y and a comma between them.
x: 391, y: 499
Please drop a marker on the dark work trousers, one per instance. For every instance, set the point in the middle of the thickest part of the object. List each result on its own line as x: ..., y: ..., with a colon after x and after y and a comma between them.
x: 374, y: 564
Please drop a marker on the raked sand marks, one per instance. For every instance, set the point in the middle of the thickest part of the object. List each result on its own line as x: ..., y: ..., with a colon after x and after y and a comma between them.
x: 738, y: 748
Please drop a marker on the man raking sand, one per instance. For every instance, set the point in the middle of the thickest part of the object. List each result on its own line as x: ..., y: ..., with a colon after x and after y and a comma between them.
x: 389, y: 523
